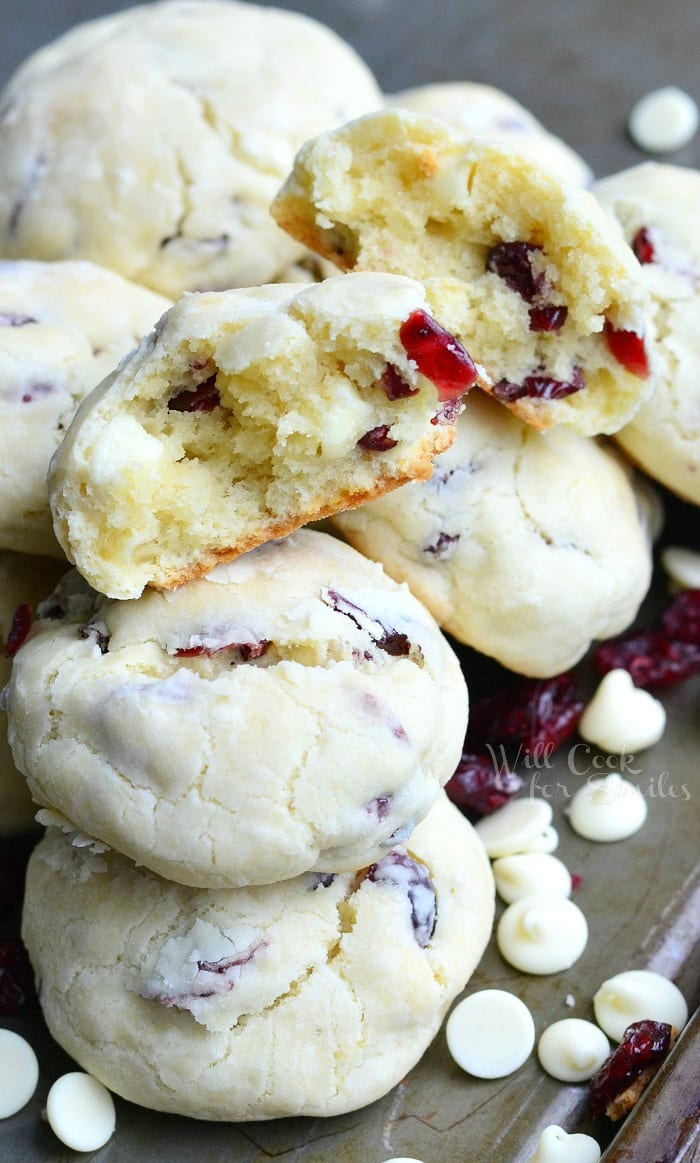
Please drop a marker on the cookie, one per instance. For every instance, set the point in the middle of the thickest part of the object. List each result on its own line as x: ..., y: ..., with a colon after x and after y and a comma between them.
x: 195, y: 1001
x: 293, y: 710
x: 63, y: 327
x: 198, y: 108
x: 24, y: 580
x: 482, y: 111
x: 247, y: 414
x: 509, y: 545
x: 657, y: 208
x: 528, y: 271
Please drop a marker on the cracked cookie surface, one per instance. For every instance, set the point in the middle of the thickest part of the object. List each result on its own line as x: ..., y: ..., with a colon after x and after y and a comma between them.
x: 195, y: 1002
x: 508, y: 544
x: 246, y: 414
x: 657, y: 208
x: 63, y: 327
x: 528, y: 271
x: 181, y: 119
x: 293, y: 710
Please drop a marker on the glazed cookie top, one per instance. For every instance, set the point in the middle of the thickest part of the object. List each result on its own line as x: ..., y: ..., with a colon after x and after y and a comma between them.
x: 63, y: 327
x: 198, y: 107
x: 508, y: 543
x: 294, y: 709
x: 529, y: 272
x: 220, y: 984
x: 658, y: 208
x: 476, y: 110
x: 248, y: 413
x: 24, y: 581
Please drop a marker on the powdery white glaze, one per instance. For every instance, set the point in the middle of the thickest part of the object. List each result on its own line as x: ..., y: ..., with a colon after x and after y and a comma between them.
x: 80, y: 1111
x: 530, y: 872
x: 555, y: 1146
x: 607, y: 809
x: 514, y: 827
x: 19, y: 1073
x: 664, y: 120
x: 622, y: 718
x: 634, y: 996
x: 572, y: 1050
x: 542, y: 934
x: 491, y: 1033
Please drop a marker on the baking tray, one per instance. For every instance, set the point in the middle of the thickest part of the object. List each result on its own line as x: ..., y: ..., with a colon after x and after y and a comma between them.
x: 578, y: 65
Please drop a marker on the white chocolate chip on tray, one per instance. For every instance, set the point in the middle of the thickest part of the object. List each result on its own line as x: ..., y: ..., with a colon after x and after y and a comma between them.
x: 635, y: 996
x: 555, y: 1146
x: 514, y: 827
x: 664, y: 121
x: 607, y: 809
x: 530, y: 872
x: 542, y: 934
x: 491, y: 1033
x: 80, y: 1111
x: 19, y: 1073
x: 572, y: 1050
x: 620, y: 717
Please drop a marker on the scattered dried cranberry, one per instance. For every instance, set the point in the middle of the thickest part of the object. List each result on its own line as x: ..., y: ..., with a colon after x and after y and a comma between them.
x: 395, y: 385
x: 245, y: 650
x: 438, y: 355
x: 539, y: 386
x: 512, y: 262
x: 400, y: 870
x: 203, y: 398
x: 478, y: 787
x: 19, y: 629
x: 681, y: 620
x: 650, y: 657
x: 16, y: 978
x: 377, y: 439
x: 576, y: 881
x: 644, y: 1044
x: 537, y: 715
x: 548, y: 318
x: 628, y: 349
x: 643, y: 247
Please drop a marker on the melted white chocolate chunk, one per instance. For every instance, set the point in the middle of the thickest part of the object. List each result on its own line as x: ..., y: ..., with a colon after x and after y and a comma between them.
x: 572, y: 1050
x: 621, y: 717
x: 491, y: 1033
x: 607, y: 809
x: 542, y: 934
x: 636, y: 996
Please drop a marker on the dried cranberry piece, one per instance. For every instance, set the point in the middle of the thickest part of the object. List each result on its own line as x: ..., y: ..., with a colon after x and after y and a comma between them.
x: 400, y: 870
x: 537, y: 715
x: 650, y: 657
x: 628, y: 349
x: 203, y: 398
x: 438, y: 355
x: 547, y: 318
x: 395, y: 385
x: 379, y: 807
x: 539, y: 386
x: 377, y: 439
x: 681, y: 620
x: 394, y: 643
x: 19, y: 629
x: 478, y: 787
x: 389, y: 640
x: 576, y: 881
x: 643, y: 247
x: 644, y: 1044
x: 245, y: 650
x: 512, y: 262
x: 16, y: 978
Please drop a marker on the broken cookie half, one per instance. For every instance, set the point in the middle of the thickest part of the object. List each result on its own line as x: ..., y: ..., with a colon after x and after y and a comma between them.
x: 530, y: 268
x: 248, y: 413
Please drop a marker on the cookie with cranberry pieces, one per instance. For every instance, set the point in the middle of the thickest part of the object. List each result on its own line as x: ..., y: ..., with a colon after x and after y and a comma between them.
x: 657, y: 207
x: 63, y: 327
x: 527, y: 270
x: 248, y: 413
x: 293, y: 710
x: 195, y: 1001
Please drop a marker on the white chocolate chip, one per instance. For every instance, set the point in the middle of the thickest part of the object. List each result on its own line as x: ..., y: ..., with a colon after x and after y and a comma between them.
x: 547, y: 841
x: 682, y: 566
x: 530, y: 872
x: 80, y: 1111
x: 542, y: 934
x: 635, y: 996
x: 607, y: 809
x: 19, y: 1073
x: 491, y: 1033
x: 572, y: 1050
x: 621, y: 717
x: 514, y: 826
x: 403, y: 1159
x: 555, y: 1146
x: 664, y: 120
